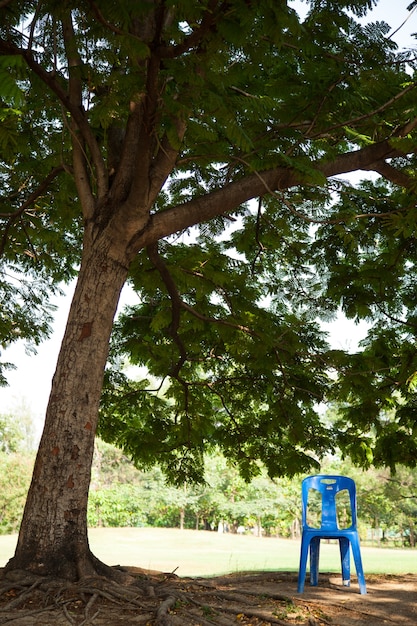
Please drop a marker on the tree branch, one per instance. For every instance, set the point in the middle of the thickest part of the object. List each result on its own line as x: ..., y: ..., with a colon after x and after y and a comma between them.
x: 35, y: 194
x: 12, y: 217
x: 177, y: 304
x: 392, y: 318
x: 139, y: 192
x: 75, y: 96
x: 232, y: 195
x: 214, y: 320
x: 195, y: 38
x: 261, y: 247
x: 32, y: 26
x: 365, y: 116
x: 125, y: 167
x: 100, y: 18
x: 75, y: 87
x: 392, y: 174
x: 171, y: 287
x: 164, y: 162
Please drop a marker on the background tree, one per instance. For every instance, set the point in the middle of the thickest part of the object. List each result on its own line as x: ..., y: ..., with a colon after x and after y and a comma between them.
x: 399, y: 491
x: 139, y: 122
x: 16, y: 464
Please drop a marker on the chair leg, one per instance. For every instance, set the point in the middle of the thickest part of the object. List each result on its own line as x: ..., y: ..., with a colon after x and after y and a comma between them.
x: 303, y: 565
x: 344, y: 547
x: 311, y: 547
x: 314, y: 561
x: 358, y: 563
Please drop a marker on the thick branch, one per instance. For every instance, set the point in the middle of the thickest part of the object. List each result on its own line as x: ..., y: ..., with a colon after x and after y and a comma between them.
x: 79, y: 156
x: 140, y: 188
x: 362, y: 159
x: 128, y: 158
x: 232, y: 195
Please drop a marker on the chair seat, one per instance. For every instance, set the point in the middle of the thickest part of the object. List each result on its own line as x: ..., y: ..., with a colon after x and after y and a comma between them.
x: 330, y: 534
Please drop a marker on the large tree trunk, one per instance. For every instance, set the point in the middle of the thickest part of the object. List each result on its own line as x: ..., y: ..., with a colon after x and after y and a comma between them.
x: 53, y: 536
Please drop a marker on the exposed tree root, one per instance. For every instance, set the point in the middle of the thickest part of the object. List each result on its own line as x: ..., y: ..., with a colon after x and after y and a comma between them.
x: 149, y: 600
x: 156, y: 599
x: 162, y: 617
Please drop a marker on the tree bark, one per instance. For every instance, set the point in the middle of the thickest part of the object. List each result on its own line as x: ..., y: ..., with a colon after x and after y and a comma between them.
x: 53, y: 536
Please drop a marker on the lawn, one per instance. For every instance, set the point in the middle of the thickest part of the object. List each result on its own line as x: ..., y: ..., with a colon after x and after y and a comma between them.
x: 202, y: 553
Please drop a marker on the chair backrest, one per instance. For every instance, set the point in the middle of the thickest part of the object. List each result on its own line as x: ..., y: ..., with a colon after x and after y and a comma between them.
x: 328, y: 486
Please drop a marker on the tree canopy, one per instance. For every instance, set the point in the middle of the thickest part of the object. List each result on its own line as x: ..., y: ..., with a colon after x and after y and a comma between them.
x: 228, y: 320
x: 228, y: 314
x: 199, y: 151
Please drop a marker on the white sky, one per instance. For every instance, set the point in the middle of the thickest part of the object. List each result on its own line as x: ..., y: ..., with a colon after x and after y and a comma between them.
x: 30, y: 383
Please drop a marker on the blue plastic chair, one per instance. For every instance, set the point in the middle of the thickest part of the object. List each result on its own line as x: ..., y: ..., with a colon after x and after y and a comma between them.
x: 329, y: 487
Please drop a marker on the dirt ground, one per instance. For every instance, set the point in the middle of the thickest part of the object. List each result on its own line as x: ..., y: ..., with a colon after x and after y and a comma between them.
x: 251, y: 599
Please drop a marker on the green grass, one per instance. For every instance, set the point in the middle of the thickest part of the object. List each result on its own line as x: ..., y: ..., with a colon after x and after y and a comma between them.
x: 201, y: 553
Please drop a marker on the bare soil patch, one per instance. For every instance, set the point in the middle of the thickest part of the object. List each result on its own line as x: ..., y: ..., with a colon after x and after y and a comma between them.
x: 250, y: 599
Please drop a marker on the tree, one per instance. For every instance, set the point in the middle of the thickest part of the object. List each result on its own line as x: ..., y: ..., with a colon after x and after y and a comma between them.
x: 139, y: 122
x: 398, y: 496
x: 16, y: 464
x: 11, y: 434
x: 16, y: 469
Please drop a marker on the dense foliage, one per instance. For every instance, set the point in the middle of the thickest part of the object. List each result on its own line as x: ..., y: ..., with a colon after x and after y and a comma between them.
x: 33, y: 260
x: 226, y: 326
x: 255, y: 102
